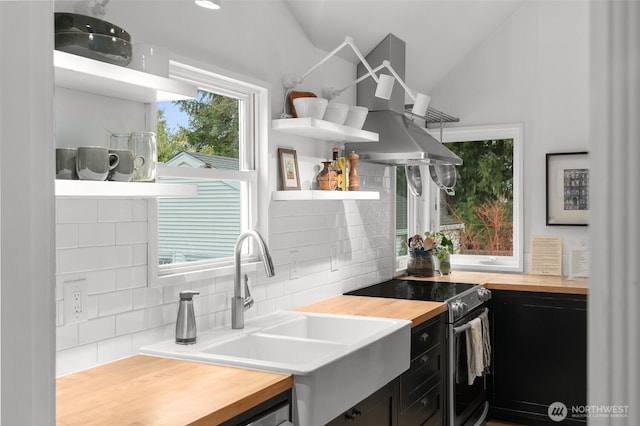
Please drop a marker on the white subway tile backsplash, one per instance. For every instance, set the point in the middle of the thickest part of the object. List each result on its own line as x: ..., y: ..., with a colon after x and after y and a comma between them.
x: 131, y: 277
x: 131, y: 232
x: 115, y: 210
x: 264, y: 307
x: 91, y: 306
x: 131, y: 322
x: 66, y: 336
x: 117, y: 256
x: 116, y: 348
x: 66, y: 236
x: 100, y: 281
x: 140, y: 254
x: 114, y: 303
x: 76, y: 210
x: 96, y: 234
x: 219, y: 302
x: 285, y: 303
x: 80, y: 259
x: 105, y: 242
x: 96, y: 329
x: 275, y: 290
x: 75, y: 359
x: 140, y: 210
x: 224, y: 284
x: 146, y: 297
x: 146, y: 337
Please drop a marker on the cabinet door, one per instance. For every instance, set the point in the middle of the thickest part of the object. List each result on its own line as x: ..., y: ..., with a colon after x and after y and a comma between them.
x: 539, y: 353
x: 379, y: 409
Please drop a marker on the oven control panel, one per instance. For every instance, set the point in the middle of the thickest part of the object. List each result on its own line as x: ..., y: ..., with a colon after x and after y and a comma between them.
x: 465, y: 302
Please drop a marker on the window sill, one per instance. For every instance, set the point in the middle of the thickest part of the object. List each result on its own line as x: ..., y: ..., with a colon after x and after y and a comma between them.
x: 191, y: 275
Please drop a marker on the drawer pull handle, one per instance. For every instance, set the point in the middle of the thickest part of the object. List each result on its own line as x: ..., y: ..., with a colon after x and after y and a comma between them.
x: 424, y: 337
x: 424, y: 402
x: 424, y: 359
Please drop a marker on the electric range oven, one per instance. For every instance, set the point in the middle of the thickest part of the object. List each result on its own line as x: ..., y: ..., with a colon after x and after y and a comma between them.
x: 466, y: 403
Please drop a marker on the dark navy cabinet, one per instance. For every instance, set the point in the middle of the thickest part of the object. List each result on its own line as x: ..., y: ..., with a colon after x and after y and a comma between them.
x: 539, y: 343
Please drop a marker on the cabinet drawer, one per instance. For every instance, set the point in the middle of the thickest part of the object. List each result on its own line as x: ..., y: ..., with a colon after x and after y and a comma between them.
x: 421, y: 375
x: 427, y: 410
x: 425, y: 336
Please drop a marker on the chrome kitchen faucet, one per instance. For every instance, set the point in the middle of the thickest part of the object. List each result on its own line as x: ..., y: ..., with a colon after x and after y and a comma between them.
x: 238, y: 303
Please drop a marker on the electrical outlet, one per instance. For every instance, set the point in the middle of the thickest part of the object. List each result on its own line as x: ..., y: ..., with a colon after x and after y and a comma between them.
x: 75, y: 301
x: 334, y: 258
x: 293, y: 265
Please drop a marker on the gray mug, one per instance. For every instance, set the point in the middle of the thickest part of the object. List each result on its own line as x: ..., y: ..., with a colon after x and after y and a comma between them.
x: 95, y: 162
x: 127, y: 165
x: 66, y: 163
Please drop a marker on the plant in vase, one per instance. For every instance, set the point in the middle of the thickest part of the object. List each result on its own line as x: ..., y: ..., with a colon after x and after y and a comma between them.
x: 442, y: 247
x: 420, y: 262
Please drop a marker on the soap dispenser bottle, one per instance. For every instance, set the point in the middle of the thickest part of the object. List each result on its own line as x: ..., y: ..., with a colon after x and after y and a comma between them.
x: 186, y: 322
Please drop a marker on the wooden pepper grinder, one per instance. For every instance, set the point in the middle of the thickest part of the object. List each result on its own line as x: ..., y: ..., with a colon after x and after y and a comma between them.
x: 354, y: 184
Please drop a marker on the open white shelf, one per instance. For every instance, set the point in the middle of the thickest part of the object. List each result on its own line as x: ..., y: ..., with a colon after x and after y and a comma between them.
x: 324, y: 195
x: 320, y: 129
x: 88, y: 75
x: 107, y: 189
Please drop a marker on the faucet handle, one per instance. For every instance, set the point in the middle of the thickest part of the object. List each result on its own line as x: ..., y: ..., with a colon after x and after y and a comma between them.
x: 248, y: 300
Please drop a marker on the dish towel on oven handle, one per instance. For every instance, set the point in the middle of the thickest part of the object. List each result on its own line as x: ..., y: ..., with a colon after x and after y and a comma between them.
x: 478, y: 347
x: 475, y: 351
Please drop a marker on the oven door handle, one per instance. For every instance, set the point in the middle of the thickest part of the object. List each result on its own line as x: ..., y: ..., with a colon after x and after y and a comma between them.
x: 458, y: 330
x: 465, y: 326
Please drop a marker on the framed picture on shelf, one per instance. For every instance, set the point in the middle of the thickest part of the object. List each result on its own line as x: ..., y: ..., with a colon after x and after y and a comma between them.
x: 568, y: 188
x: 288, y: 161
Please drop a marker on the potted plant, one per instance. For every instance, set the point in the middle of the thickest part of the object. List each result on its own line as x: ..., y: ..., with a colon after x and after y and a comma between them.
x: 442, y: 247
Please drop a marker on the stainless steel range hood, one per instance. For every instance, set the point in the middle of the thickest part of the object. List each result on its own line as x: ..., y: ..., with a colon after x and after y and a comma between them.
x: 402, y: 142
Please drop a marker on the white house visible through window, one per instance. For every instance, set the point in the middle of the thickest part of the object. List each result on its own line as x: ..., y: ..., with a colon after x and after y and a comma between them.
x: 484, y: 217
x: 209, y: 142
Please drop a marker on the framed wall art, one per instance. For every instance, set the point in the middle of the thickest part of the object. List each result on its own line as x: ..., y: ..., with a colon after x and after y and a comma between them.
x: 568, y: 188
x: 288, y: 161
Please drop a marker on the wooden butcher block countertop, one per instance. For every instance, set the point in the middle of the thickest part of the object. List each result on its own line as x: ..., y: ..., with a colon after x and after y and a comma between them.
x: 416, y: 311
x: 146, y: 390
x: 518, y: 282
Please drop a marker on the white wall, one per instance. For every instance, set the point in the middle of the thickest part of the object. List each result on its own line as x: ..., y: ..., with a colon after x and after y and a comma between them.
x: 105, y: 241
x: 534, y: 69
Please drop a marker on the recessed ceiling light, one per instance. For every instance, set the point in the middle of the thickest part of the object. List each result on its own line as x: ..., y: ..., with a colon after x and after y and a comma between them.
x: 209, y: 4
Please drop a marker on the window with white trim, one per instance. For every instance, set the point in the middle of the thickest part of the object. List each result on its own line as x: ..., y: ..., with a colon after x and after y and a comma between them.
x: 484, y: 217
x: 213, y: 146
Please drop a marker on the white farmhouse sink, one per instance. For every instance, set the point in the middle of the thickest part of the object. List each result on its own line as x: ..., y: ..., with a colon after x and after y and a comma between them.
x: 336, y: 360
x: 302, y: 356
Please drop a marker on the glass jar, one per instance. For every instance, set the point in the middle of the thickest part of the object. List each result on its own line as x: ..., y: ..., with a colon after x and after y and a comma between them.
x: 145, y: 151
x: 420, y: 263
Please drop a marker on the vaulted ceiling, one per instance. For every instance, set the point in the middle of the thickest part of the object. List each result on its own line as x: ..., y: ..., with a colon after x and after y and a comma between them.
x: 438, y: 33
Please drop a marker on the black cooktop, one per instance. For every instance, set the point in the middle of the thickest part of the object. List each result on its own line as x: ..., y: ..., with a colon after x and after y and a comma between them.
x: 414, y: 290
